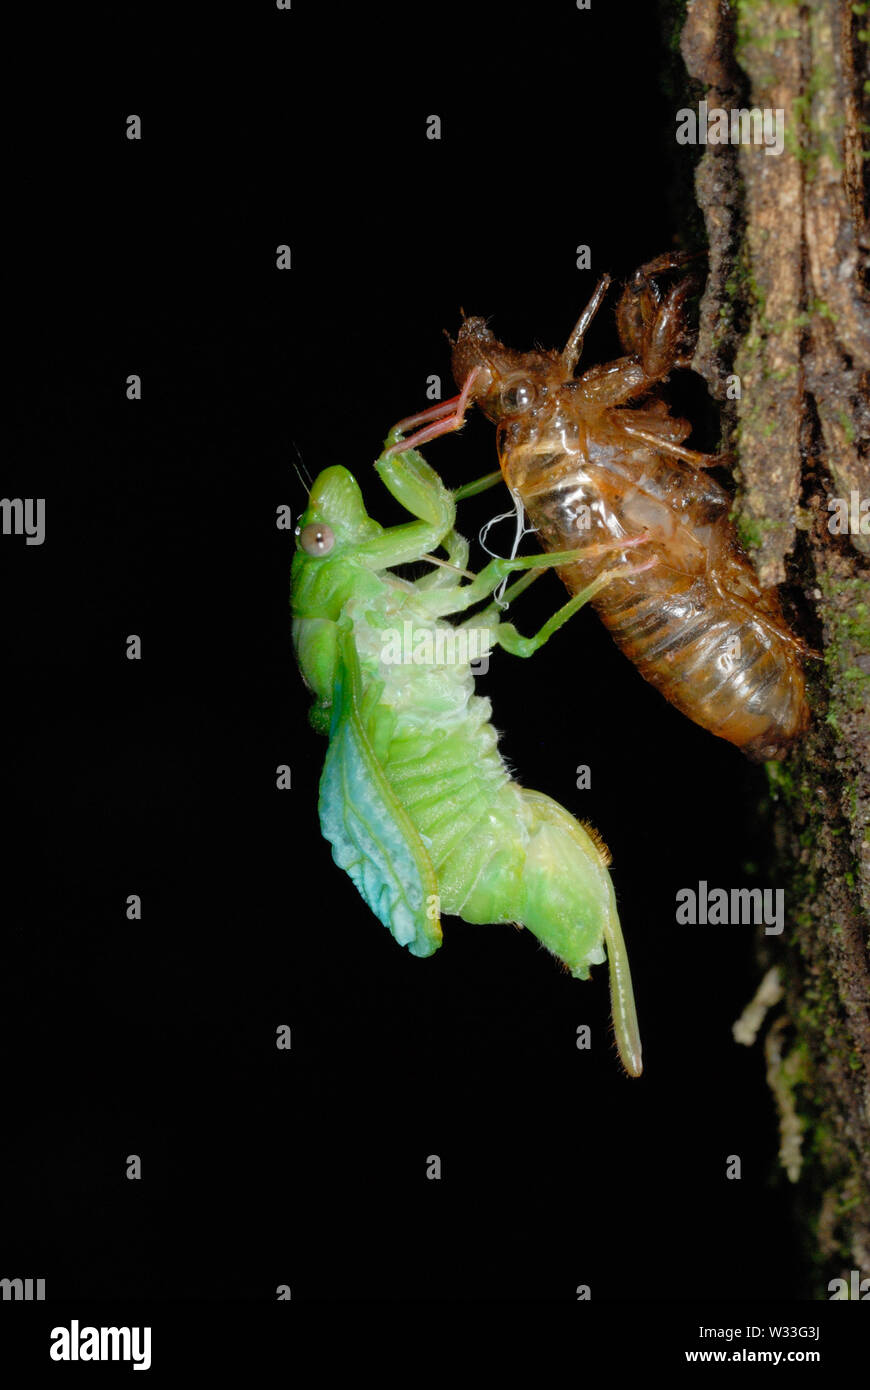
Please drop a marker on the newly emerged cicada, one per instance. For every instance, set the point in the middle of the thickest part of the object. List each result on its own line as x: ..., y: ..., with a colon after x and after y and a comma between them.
x: 415, y: 799
x: 599, y: 457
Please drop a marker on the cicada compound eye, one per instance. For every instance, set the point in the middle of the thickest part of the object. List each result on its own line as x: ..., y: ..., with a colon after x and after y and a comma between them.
x: 517, y: 396
x: 317, y: 538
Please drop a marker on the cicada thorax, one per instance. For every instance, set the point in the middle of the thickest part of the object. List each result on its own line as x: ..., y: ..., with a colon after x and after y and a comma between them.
x: 695, y: 621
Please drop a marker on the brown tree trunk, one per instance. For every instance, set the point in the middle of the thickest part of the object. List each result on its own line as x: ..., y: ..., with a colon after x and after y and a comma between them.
x: 785, y: 321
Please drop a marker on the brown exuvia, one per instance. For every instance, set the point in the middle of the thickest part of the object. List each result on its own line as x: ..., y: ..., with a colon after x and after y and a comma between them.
x: 599, y: 458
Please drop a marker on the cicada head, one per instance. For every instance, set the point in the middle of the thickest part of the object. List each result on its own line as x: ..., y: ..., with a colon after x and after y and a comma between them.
x: 508, y: 383
x: 335, y: 515
x: 331, y: 529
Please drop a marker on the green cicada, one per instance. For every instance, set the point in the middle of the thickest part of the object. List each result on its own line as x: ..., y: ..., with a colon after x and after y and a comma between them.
x: 415, y: 799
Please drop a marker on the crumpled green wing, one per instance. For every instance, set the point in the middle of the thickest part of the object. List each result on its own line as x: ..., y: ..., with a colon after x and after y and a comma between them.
x: 372, y: 836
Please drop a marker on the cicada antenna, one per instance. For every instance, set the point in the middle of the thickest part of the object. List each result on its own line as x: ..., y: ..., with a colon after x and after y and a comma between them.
x: 306, y: 486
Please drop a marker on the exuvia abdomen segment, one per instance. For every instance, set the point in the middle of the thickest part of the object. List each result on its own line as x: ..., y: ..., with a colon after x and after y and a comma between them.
x: 697, y: 625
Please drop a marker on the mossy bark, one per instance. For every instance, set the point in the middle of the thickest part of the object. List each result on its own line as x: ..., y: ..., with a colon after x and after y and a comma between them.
x: 785, y: 319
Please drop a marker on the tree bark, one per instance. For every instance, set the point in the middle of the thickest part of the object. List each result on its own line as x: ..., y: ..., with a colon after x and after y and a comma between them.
x: 785, y: 321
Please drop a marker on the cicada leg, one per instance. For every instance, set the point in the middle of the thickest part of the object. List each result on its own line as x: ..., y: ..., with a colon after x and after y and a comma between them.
x: 650, y: 323
x: 506, y: 635
x: 414, y: 483
x: 574, y: 346
x: 453, y: 601
x: 420, y: 491
x: 439, y: 419
x: 591, y: 552
x: 666, y: 446
x: 487, y: 480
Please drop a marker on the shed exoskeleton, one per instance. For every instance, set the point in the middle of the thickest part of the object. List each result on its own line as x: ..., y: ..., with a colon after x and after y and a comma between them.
x: 599, y: 457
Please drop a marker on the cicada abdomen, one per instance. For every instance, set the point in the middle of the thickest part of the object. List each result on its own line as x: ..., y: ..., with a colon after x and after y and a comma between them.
x: 591, y: 460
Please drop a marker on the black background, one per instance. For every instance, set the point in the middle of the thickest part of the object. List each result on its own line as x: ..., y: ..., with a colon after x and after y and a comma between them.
x: 157, y: 777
